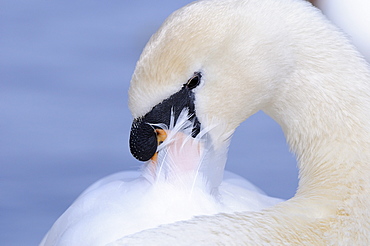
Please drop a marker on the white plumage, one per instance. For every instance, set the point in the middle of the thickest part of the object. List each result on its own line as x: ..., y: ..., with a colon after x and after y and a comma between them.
x: 285, y: 58
x: 173, y: 188
x: 353, y: 17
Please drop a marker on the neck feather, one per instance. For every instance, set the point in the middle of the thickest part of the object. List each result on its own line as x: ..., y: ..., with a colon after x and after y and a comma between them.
x: 325, y: 115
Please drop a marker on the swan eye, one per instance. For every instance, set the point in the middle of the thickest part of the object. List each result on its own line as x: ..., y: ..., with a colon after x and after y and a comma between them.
x: 194, y: 81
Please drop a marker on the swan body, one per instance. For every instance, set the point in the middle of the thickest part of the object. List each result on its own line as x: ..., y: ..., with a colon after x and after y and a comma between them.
x: 167, y: 190
x: 285, y: 58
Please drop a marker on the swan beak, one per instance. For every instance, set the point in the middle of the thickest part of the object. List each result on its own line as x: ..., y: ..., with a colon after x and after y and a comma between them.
x: 161, y: 136
x: 146, y: 134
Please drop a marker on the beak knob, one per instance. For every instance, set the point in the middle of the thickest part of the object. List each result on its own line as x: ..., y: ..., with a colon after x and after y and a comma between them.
x: 143, y: 141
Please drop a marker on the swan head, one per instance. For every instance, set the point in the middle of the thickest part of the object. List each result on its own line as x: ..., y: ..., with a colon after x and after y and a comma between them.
x: 222, y: 68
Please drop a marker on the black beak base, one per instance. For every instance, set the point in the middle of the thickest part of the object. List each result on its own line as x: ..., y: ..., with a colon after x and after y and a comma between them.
x: 143, y: 138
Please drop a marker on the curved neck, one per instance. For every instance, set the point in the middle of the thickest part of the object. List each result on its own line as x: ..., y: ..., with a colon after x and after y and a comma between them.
x: 325, y: 115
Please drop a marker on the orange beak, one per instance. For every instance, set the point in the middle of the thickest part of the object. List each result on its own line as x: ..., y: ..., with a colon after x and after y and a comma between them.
x: 161, y: 136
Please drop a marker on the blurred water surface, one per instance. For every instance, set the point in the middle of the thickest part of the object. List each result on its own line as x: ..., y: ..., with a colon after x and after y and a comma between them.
x: 65, y: 68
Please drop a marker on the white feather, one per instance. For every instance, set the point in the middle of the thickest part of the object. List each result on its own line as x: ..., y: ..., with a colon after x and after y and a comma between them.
x: 285, y: 58
x: 173, y: 188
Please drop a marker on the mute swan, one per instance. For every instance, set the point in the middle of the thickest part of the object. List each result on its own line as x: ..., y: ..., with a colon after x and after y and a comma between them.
x: 172, y: 187
x: 282, y: 57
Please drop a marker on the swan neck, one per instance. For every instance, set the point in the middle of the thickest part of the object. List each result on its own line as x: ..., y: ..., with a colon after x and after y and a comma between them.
x: 325, y: 117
